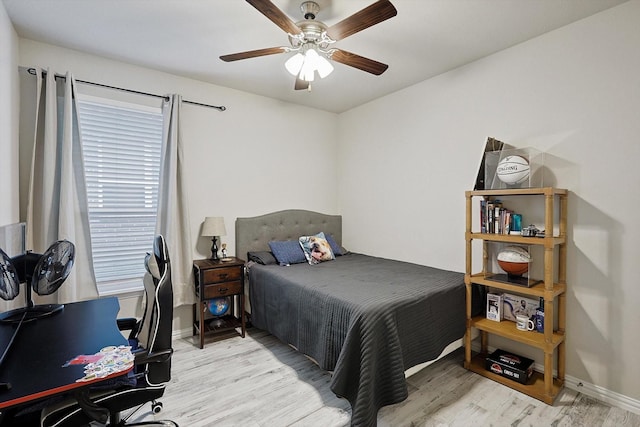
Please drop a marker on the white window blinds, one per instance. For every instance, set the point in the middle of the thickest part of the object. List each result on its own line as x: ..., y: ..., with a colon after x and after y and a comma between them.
x: 122, y: 146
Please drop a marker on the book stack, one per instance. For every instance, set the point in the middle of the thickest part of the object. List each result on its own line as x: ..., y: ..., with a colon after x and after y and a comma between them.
x: 494, y: 218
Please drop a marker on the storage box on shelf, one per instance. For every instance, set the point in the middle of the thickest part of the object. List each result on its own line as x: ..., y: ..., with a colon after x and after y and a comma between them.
x: 551, y: 288
x: 534, y: 178
x: 499, y: 273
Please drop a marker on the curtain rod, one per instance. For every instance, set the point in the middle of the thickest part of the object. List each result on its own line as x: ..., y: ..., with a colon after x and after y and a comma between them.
x: 32, y: 71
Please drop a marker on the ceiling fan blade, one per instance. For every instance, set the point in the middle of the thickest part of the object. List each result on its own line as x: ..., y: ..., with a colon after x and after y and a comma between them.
x: 276, y: 16
x: 253, y: 53
x: 367, y: 17
x: 301, y: 84
x: 360, y: 62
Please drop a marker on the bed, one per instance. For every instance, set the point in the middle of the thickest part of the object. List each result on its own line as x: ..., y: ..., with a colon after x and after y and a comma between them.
x: 364, y: 318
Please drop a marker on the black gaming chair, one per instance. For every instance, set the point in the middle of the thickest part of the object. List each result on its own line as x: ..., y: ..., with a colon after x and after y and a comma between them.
x: 150, y: 338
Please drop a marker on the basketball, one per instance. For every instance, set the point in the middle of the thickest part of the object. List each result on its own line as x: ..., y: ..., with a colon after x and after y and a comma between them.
x: 513, y: 170
x: 514, y: 260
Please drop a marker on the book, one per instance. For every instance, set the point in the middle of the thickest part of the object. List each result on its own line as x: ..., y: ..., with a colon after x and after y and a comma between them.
x: 497, y: 206
x: 490, y: 216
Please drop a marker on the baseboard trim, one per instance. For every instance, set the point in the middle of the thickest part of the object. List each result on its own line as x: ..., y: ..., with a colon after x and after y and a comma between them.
x: 603, y: 394
x: 611, y: 397
x: 182, y: 333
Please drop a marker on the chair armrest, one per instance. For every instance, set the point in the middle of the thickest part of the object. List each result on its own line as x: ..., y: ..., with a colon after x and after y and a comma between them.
x: 129, y: 324
x: 157, y: 357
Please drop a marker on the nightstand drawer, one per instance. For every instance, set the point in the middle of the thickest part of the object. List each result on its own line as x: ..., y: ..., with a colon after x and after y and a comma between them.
x: 216, y: 275
x: 222, y: 289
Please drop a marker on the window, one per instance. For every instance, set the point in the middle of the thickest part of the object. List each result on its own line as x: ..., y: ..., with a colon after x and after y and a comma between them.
x: 122, y: 146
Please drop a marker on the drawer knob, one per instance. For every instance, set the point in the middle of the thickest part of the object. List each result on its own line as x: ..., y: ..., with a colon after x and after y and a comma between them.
x: 224, y: 275
x: 223, y: 290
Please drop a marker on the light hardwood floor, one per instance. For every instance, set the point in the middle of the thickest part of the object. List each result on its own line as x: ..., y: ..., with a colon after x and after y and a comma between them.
x: 259, y: 381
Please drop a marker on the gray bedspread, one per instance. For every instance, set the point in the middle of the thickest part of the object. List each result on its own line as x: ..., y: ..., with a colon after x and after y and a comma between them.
x: 367, y: 319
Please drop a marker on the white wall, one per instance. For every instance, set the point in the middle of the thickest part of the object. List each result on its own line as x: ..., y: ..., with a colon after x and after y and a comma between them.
x: 9, y: 103
x: 406, y: 160
x: 258, y: 156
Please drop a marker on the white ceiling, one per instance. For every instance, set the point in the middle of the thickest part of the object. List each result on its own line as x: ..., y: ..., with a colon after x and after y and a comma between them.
x: 186, y: 37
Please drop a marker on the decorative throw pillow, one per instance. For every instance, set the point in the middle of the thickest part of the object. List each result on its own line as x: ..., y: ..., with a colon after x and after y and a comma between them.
x: 262, y: 257
x: 335, y: 247
x: 316, y: 248
x: 287, y: 252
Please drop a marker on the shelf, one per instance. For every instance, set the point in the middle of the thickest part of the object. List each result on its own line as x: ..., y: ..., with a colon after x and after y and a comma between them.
x: 513, y: 238
x: 537, y: 290
x: 546, y: 191
x: 534, y: 387
x: 508, y: 329
x: 226, y: 323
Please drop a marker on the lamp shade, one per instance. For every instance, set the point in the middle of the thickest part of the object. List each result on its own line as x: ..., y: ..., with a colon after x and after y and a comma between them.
x: 294, y: 64
x: 214, y: 226
x: 323, y: 66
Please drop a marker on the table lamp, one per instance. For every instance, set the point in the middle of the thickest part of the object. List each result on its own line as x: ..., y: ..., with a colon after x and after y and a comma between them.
x: 213, y: 227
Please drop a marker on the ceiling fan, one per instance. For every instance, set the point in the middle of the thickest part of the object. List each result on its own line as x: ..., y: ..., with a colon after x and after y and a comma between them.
x: 313, y: 41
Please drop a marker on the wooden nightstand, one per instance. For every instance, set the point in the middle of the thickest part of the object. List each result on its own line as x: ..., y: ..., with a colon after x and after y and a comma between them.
x: 215, y: 279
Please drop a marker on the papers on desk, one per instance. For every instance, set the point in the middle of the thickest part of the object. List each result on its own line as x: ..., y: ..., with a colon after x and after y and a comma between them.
x: 108, y: 361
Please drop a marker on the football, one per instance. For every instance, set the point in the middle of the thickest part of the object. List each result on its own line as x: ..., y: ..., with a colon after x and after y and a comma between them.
x: 513, y: 170
x: 514, y: 260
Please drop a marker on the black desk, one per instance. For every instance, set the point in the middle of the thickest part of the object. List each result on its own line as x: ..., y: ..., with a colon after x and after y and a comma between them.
x: 33, y: 365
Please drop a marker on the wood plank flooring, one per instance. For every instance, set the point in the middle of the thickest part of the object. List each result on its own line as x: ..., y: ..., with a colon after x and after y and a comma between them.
x: 259, y: 381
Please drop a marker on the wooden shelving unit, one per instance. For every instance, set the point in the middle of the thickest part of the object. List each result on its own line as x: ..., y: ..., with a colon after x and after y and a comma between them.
x: 543, y: 385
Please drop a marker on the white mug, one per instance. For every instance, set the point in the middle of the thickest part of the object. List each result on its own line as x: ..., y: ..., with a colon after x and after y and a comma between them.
x: 523, y: 323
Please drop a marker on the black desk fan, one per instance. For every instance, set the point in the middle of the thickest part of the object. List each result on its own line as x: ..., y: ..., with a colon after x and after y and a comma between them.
x: 44, y: 273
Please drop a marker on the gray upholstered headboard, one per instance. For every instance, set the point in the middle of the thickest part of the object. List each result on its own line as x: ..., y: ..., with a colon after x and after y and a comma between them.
x: 255, y: 233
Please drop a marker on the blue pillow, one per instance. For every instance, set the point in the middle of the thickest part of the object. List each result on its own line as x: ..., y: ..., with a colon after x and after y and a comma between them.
x: 287, y: 251
x: 335, y: 247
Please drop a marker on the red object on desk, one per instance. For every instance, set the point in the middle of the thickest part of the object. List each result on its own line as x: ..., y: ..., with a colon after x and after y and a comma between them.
x: 34, y: 364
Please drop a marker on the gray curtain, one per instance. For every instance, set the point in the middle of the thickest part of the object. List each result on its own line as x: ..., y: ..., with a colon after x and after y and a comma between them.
x: 57, y: 201
x: 173, y: 206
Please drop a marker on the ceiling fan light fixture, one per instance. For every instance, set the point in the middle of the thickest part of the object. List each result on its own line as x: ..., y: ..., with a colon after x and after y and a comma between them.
x: 308, y: 70
x: 305, y: 65
x: 294, y: 64
x: 324, y: 67
x: 311, y: 58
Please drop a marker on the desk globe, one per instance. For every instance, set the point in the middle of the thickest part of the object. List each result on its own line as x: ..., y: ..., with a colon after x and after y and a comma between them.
x: 218, y: 306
